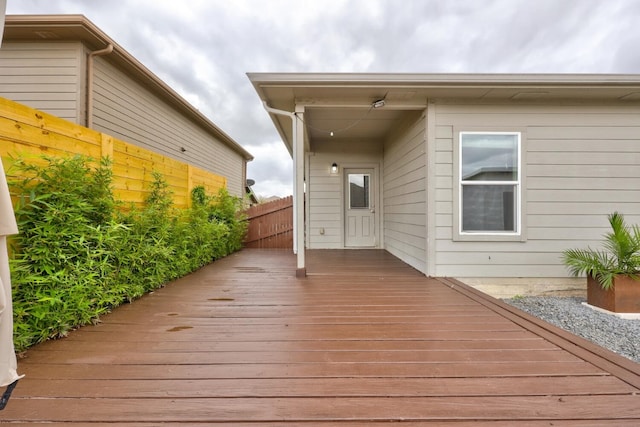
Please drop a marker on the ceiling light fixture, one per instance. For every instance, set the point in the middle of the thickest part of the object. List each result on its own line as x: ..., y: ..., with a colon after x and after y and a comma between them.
x: 379, y: 103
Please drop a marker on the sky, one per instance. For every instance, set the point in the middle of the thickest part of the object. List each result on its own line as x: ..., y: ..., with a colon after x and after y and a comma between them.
x: 204, y: 48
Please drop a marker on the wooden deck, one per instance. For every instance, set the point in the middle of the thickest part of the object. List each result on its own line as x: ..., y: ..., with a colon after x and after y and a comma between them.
x: 364, y: 340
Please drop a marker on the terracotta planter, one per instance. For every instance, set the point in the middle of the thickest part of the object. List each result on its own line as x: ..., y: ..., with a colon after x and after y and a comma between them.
x: 623, y: 297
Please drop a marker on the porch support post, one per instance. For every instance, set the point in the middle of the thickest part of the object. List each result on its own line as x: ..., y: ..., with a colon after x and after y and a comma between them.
x: 430, y: 153
x: 298, y: 187
x: 297, y: 118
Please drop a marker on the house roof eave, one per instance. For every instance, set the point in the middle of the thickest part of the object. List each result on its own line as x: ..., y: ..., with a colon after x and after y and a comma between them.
x: 443, y: 79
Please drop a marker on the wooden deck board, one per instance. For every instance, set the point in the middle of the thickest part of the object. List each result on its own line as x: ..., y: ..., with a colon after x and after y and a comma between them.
x: 289, y: 357
x: 370, y: 423
x: 98, y: 373
x: 315, y: 345
x: 362, y: 341
x: 327, y: 387
x: 331, y: 409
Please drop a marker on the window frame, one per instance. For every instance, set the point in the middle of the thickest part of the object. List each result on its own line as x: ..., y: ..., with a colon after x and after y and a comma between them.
x: 518, y: 184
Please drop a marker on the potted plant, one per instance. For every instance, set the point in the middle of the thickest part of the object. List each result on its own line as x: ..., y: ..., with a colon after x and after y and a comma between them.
x: 613, y: 273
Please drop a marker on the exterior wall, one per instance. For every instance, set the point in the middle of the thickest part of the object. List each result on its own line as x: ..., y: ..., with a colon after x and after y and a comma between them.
x: 127, y: 110
x: 581, y: 163
x: 405, y: 193
x: 326, y: 192
x: 45, y: 76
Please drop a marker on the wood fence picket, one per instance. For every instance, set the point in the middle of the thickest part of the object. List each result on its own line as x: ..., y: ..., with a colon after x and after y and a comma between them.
x: 271, y: 225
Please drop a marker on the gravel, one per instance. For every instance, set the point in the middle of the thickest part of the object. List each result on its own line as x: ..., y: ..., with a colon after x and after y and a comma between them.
x: 621, y: 336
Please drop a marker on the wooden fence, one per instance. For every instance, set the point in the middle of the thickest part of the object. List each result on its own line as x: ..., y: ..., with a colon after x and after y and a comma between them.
x: 271, y: 225
x: 29, y: 134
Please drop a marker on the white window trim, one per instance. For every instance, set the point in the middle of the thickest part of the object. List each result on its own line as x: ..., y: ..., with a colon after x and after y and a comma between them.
x: 518, y: 234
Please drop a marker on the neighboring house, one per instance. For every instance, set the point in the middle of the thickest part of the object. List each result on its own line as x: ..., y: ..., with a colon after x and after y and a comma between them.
x: 487, y: 178
x: 66, y: 66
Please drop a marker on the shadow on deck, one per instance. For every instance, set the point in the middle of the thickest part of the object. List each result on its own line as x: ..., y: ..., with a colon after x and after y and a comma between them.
x: 364, y: 340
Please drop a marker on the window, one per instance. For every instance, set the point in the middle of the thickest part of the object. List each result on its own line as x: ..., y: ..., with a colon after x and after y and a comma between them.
x: 358, y: 191
x: 490, y: 180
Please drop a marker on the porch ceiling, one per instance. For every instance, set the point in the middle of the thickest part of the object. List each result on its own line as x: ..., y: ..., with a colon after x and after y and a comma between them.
x: 350, y: 123
x: 341, y: 103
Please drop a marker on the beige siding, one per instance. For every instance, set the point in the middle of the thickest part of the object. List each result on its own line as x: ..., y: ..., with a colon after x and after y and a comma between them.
x: 326, y: 207
x: 125, y: 109
x: 582, y: 163
x: 405, y: 195
x: 45, y: 76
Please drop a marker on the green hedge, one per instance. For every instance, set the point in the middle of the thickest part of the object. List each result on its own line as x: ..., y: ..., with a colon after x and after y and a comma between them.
x: 79, y: 254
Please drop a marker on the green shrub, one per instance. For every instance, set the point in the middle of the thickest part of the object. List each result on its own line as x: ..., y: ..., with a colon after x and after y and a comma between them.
x: 620, y: 255
x: 227, y: 210
x: 77, y: 256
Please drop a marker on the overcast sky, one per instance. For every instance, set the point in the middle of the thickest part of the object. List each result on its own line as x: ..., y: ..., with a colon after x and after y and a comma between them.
x: 204, y: 48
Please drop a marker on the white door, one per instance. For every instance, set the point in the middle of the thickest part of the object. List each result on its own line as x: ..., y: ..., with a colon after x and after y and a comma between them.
x: 359, y: 208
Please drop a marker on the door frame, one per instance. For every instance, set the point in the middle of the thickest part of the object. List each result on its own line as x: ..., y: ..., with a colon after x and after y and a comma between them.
x: 376, y: 194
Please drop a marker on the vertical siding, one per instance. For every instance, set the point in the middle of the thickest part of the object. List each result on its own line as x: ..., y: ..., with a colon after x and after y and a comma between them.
x: 405, y: 194
x: 127, y: 110
x: 326, y: 190
x: 582, y: 162
x: 44, y: 76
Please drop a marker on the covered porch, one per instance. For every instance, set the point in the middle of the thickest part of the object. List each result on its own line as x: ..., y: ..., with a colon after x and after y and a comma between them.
x: 363, y: 340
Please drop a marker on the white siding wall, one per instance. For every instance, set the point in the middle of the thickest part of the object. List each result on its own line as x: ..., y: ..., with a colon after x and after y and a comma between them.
x: 582, y: 163
x: 125, y: 109
x: 45, y: 76
x: 326, y: 190
x: 405, y: 194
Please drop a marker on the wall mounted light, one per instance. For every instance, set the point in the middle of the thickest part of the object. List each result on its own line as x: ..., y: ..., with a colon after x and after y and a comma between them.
x: 334, y: 168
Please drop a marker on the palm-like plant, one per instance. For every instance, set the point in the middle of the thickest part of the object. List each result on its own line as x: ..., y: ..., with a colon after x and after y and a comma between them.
x: 621, y: 254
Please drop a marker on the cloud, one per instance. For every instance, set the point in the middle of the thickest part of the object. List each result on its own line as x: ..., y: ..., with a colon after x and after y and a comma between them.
x: 273, y: 172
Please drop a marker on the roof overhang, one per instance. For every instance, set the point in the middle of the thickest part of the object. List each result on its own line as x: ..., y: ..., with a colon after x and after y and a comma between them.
x: 343, y: 102
x: 60, y: 28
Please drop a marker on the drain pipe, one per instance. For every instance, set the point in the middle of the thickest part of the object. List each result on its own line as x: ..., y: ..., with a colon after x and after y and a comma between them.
x: 89, y: 112
x: 298, y: 190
